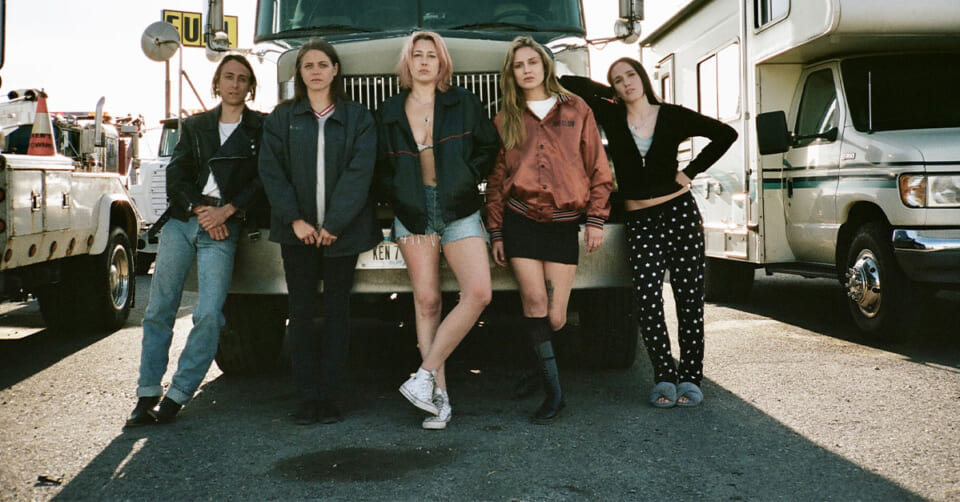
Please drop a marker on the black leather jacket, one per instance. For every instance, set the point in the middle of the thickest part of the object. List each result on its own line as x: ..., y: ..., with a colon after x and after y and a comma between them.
x: 234, y: 166
x: 465, y: 146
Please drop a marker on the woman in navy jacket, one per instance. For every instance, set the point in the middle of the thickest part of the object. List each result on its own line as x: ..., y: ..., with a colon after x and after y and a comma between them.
x: 435, y: 145
x: 316, y: 163
x: 664, y: 228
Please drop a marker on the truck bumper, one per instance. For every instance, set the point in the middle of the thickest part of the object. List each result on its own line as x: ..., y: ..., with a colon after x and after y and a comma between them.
x: 929, y: 255
x: 258, y: 269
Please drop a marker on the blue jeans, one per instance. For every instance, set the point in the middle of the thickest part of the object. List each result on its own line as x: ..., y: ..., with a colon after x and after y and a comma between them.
x: 468, y: 226
x: 180, y: 243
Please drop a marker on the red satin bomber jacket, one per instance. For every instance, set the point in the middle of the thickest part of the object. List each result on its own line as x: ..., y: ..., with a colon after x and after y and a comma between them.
x: 559, y: 172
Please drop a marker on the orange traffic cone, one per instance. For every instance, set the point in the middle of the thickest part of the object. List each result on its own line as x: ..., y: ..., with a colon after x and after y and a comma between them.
x: 41, y: 137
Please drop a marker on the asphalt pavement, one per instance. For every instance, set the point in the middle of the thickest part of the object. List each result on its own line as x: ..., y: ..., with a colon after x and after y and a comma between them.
x: 798, y: 406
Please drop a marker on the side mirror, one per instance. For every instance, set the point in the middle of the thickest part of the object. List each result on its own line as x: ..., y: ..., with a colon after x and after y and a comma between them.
x: 215, y: 31
x: 98, y: 124
x: 772, y: 133
x: 627, y: 28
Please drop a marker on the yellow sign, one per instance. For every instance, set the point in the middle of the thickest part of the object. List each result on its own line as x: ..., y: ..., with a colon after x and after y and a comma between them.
x: 190, y: 27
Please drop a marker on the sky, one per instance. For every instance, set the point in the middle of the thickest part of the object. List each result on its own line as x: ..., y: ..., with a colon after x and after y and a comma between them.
x: 78, y: 51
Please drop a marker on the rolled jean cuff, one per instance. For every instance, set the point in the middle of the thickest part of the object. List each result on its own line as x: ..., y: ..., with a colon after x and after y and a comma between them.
x: 181, y: 397
x: 151, y: 391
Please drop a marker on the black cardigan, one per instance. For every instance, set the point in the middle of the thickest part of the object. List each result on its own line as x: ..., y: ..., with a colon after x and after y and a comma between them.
x: 654, y: 175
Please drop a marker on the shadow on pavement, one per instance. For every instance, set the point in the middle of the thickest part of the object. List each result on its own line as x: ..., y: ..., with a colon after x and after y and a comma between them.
x: 236, y: 441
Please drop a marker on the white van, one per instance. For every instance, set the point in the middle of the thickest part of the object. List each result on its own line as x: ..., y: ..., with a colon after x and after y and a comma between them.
x: 866, y: 188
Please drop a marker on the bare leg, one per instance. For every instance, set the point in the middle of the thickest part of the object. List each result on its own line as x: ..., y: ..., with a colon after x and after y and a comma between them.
x: 469, y: 262
x: 422, y: 255
x: 558, y: 278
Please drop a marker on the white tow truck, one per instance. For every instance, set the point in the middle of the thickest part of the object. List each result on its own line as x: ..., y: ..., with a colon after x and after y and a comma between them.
x: 866, y: 189
x: 66, y: 219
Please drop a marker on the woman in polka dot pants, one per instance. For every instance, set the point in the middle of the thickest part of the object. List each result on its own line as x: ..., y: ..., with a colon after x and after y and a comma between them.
x: 665, y: 231
x: 666, y: 237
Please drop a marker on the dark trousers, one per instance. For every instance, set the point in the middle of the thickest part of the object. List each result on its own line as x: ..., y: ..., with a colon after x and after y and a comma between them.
x: 317, y: 358
x: 661, y: 238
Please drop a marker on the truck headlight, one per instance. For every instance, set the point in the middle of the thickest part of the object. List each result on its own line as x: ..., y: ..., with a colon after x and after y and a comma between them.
x: 943, y: 191
x: 913, y: 190
x: 920, y: 190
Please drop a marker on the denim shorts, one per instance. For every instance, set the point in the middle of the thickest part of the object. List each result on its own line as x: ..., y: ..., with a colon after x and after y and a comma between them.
x: 468, y: 226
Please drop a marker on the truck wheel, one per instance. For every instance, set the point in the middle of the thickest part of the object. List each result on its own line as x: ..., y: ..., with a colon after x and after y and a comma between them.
x: 727, y: 280
x: 144, y: 260
x: 877, y: 290
x: 95, y: 292
x: 607, y: 337
x: 252, y: 338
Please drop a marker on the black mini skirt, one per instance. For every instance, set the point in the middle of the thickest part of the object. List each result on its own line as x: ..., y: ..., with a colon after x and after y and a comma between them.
x: 555, y: 242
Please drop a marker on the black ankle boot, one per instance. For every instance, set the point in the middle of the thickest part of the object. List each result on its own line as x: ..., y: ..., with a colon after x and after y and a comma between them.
x: 141, y: 413
x: 167, y: 411
x: 553, y: 402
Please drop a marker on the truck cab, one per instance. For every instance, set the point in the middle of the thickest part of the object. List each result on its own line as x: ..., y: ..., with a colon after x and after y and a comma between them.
x: 368, y: 36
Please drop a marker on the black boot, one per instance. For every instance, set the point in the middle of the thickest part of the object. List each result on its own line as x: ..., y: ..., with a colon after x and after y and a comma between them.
x: 540, y: 334
x: 141, y: 413
x: 167, y: 411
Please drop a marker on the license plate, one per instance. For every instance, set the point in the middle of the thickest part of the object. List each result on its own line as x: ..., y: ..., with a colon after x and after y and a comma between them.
x: 385, y: 255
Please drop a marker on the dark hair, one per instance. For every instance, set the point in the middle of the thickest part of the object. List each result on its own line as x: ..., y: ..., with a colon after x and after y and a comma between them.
x: 644, y: 79
x: 336, y: 85
x: 246, y: 64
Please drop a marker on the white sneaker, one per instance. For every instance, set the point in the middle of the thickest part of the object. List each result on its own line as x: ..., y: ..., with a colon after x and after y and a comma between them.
x: 442, y: 400
x: 419, y: 388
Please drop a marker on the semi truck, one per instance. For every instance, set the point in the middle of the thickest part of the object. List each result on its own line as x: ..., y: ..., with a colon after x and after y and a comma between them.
x: 368, y: 36
x: 848, y: 161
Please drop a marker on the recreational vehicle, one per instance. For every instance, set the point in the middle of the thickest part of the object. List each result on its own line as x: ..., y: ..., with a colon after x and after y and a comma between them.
x: 866, y: 185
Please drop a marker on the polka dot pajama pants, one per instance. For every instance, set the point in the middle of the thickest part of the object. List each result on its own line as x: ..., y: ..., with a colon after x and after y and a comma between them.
x: 669, y: 237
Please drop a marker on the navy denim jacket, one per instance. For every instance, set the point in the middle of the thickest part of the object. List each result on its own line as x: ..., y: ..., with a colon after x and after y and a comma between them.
x: 288, y: 168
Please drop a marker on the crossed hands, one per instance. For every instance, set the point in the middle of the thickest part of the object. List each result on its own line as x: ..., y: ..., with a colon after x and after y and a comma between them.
x: 308, y: 234
x: 214, y: 220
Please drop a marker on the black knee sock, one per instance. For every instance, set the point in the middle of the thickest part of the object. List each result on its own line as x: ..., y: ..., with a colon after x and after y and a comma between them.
x: 540, y: 334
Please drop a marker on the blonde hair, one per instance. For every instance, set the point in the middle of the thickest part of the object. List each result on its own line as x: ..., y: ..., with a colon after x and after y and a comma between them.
x: 406, y: 55
x: 511, y: 112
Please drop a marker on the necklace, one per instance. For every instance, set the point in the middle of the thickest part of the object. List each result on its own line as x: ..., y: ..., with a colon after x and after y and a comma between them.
x: 642, y: 123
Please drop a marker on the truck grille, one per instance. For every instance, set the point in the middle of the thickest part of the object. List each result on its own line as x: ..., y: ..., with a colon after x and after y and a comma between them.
x: 372, y: 90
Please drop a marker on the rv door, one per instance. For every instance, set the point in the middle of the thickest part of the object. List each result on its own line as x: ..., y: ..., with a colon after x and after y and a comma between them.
x: 811, y: 169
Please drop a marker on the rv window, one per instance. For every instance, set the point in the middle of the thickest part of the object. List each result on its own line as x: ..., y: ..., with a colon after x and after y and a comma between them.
x: 915, y: 91
x: 719, y: 84
x: 768, y: 11
x: 818, y: 113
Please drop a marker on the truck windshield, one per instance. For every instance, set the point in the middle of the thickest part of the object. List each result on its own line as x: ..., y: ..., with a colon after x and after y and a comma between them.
x: 911, y: 91
x: 277, y: 19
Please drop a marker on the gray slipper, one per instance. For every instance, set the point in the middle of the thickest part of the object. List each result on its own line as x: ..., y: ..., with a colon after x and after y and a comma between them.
x: 665, y: 390
x: 693, y: 394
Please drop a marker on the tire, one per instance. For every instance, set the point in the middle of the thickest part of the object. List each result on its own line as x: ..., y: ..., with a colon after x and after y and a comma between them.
x: 607, y: 338
x: 252, y: 338
x: 877, y: 289
x: 143, y: 261
x: 727, y: 280
x: 95, y: 293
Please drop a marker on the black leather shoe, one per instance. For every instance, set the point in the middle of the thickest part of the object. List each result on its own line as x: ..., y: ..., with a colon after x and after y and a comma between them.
x: 306, y: 413
x: 527, y: 385
x: 548, y: 412
x: 329, y: 413
x: 167, y: 411
x: 141, y: 413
